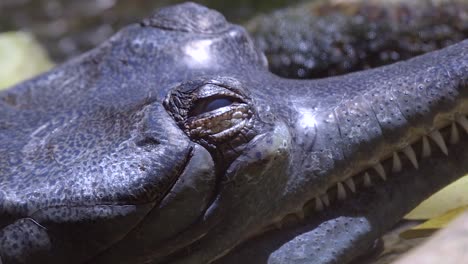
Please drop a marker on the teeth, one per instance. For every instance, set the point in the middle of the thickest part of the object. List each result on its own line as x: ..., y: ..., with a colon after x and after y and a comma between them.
x: 380, y: 170
x: 396, y: 163
x: 325, y: 200
x: 318, y: 204
x: 463, y: 121
x: 454, y: 135
x: 350, y: 183
x: 439, y: 140
x: 367, y: 180
x: 341, y: 191
x: 426, y: 148
x: 409, y: 152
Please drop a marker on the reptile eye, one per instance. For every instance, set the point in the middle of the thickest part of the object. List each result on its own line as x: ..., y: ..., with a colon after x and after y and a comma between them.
x: 209, y: 104
x: 213, y: 112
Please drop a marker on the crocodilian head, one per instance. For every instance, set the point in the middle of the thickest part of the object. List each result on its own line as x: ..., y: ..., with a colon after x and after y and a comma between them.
x: 141, y: 148
x: 172, y: 143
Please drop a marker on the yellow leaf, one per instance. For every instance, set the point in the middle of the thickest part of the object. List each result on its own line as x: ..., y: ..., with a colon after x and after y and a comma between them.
x: 21, y: 57
x: 453, y: 196
x: 432, y: 225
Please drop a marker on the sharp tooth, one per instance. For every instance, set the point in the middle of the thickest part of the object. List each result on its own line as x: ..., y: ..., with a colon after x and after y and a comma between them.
x: 409, y: 152
x: 325, y: 199
x: 350, y: 183
x: 396, y: 163
x: 367, y: 180
x: 318, y: 204
x: 463, y: 121
x: 454, y: 135
x: 380, y: 170
x: 439, y: 140
x: 341, y: 192
x: 426, y: 148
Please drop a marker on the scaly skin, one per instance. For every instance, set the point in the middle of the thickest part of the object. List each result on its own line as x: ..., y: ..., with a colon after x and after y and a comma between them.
x: 319, y: 39
x: 172, y: 143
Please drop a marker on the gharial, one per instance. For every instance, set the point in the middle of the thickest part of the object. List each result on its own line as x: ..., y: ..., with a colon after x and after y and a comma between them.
x: 172, y: 143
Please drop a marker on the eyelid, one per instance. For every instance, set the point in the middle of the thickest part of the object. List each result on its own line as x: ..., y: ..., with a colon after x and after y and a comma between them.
x: 212, y: 90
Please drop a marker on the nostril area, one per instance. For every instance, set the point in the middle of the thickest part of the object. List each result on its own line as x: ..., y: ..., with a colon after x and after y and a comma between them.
x: 147, y: 143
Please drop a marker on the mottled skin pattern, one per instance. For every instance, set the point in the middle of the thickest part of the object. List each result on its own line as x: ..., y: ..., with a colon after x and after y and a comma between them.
x: 325, y: 38
x: 172, y: 143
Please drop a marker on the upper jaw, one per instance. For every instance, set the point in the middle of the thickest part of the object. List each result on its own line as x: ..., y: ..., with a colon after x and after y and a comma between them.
x: 334, y: 218
x: 373, y: 154
x: 347, y: 228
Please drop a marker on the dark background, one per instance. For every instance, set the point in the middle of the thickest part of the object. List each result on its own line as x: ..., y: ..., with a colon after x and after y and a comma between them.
x: 69, y: 27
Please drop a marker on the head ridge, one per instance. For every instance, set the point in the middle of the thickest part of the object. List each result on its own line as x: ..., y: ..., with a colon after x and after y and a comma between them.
x: 188, y: 17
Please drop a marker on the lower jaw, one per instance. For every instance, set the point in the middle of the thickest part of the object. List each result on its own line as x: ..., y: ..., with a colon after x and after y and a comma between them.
x: 348, y: 228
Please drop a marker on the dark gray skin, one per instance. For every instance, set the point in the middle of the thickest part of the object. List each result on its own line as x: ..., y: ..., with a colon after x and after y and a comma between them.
x: 172, y: 143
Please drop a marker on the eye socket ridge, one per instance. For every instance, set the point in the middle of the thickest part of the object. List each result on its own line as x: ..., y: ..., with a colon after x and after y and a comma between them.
x: 208, y: 104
